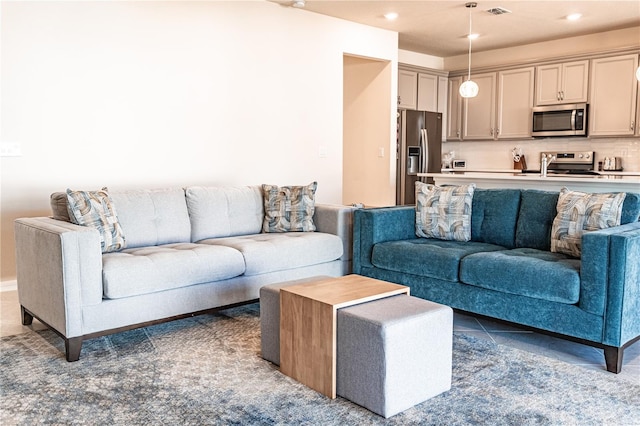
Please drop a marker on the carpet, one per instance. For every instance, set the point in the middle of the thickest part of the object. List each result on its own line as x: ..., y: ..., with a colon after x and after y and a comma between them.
x: 208, y: 370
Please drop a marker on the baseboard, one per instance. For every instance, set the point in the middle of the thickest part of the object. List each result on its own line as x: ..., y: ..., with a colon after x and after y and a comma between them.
x: 8, y: 285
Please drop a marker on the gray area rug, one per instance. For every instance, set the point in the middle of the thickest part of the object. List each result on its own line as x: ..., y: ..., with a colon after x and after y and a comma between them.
x: 208, y: 370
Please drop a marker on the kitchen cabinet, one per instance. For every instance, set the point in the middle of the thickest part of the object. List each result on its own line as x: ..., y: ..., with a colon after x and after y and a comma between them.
x: 427, y: 92
x: 478, y: 121
x: 562, y: 83
x: 407, y: 89
x: 454, y: 110
x: 424, y: 91
x: 502, y: 109
x: 515, y: 101
x: 613, y: 104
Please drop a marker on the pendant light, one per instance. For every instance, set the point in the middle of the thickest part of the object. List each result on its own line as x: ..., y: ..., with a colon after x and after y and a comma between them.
x: 469, y: 89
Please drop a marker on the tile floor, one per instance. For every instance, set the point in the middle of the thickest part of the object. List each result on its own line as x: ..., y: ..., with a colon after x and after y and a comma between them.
x: 581, y: 356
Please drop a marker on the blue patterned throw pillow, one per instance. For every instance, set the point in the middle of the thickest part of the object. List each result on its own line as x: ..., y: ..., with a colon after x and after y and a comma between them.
x: 580, y: 212
x: 95, y: 209
x: 444, y: 212
x: 289, y: 208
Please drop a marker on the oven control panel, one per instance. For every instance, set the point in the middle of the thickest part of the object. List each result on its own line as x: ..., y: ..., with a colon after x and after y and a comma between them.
x: 578, y: 157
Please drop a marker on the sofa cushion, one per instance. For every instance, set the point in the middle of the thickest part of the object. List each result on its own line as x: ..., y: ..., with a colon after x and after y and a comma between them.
x: 269, y: 252
x: 444, y: 212
x: 426, y: 257
x: 224, y: 211
x: 150, y: 269
x: 630, y: 208
x: 289, y: 208
x: 524, y: 271
x: 537, y: 211
x: 152, y: 217
x: 96, y: 210
x: 580, y: 212
x: 494, y: 216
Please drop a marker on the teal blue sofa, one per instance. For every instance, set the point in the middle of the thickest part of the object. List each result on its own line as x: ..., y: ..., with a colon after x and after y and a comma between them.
x: 507, y: 271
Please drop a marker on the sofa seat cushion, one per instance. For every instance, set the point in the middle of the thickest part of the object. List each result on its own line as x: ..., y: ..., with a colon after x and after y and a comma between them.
x: 527, y: 272
x: 145, y: 270
x: 426, y: 257
x: 270, y: 252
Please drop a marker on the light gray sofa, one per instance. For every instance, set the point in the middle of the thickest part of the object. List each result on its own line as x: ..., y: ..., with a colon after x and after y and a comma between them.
x: 188, y: 251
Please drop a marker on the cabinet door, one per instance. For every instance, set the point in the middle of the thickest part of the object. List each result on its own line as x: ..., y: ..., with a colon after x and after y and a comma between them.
x: 407, y: 89
x: 443, y: 90
x: 562, y: 83
x: 575, y: 79
x: 515, y: 100
x: 427, y: 92
x: 548, y: 82
x: 479, y: 112
x: 454, y: 110
x: 613, y: 96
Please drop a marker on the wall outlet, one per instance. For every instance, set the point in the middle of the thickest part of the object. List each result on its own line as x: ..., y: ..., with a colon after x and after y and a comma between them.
x: 381, y: 151
x: 10, y: 149
x: 322, y: 151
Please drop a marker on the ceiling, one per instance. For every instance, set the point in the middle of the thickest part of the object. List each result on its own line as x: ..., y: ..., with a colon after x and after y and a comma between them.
x: 439, y: 28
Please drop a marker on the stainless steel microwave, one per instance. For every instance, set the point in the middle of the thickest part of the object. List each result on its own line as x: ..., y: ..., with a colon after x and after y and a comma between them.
x: 560, y: 120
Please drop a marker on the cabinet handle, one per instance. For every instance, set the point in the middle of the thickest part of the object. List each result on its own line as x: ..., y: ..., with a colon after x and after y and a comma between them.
x: 497, y: 132
x: 558, y: 96
x: 399, y: 100
x: 562, y: 95
x: 633, y: 125
x: 491, y: 132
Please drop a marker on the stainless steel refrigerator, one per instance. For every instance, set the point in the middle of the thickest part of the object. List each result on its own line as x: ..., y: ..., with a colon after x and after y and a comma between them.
x: 419, y: 150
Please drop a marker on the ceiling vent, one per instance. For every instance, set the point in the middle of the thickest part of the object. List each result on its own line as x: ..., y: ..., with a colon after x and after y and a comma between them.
x: 498, y: 11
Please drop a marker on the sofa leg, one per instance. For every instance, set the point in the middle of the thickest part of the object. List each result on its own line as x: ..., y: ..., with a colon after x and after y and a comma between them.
x: 613, y: 358
x: 73, y: 346
x: 27, y: 318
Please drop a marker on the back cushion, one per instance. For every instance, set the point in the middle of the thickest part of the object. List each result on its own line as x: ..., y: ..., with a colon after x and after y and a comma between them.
x: 537, y: 211
x: 494, y: 215
x: 630, y: 208
x: 151, y: 217
x: 224, y: 211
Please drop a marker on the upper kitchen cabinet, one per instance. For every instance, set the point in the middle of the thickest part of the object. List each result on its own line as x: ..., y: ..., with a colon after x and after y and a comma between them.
x: 563, y: 83
x: 427, y: 92
x: 407, y: 89
x: 454, y: 110
x: 515, y: 101
x: 613, y: 96
x: 479, y: 112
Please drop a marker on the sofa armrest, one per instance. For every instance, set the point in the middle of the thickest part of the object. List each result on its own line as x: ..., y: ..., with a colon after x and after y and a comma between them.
x: 337, y: 220
x: 59, y: 270
x: 610, y: 275
x: 372, y: 226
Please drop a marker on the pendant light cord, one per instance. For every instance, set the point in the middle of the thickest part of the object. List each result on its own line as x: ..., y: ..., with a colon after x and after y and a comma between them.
x: 470, y: 6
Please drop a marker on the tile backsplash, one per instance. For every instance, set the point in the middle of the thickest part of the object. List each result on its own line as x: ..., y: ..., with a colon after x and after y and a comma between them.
x: 497, y: 154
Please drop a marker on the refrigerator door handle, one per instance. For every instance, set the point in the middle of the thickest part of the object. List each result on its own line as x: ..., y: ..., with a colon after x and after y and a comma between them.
x: 424, y: 137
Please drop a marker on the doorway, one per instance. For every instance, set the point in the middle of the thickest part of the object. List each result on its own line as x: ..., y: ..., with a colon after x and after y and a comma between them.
x: 369, y: 153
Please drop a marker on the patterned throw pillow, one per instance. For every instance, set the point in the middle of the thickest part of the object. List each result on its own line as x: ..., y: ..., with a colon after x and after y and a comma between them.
x: 579, y: 212
x: 289, y: 208
x: 444, y: 212
x: 95, y: 209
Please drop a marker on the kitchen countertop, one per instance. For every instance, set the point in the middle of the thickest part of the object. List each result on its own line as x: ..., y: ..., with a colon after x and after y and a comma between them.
x: 516, y: 179
x: 603, y: 172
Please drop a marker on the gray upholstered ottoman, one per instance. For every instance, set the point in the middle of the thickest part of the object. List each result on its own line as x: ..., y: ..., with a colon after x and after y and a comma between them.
x: 270, y: 317
x: 394, y: 353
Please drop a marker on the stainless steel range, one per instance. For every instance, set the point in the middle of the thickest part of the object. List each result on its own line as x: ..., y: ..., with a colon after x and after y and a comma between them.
x: 576, y: 163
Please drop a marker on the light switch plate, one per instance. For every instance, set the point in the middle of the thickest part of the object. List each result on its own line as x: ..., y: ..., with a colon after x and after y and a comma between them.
x: 10, y: 149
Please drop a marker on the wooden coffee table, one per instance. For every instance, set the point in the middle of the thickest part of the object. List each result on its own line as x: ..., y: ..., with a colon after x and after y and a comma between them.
x: 308, y: 315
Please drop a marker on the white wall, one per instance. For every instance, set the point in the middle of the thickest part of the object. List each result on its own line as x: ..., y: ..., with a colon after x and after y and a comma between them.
x: 154, y: 94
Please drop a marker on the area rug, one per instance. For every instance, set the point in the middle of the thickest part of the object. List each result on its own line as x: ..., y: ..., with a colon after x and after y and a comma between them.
x: 208, y: 370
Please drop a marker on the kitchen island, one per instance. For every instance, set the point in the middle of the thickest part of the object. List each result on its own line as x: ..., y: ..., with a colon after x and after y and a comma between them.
x: 552, y: 182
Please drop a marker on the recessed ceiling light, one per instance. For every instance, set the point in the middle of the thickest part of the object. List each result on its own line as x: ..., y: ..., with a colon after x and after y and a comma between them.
x: 391, y: 16
x: 574, y: 16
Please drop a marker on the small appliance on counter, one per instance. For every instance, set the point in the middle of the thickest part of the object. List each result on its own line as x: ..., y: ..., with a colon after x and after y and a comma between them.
x: 611, y: 164
x: 459, y: 164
